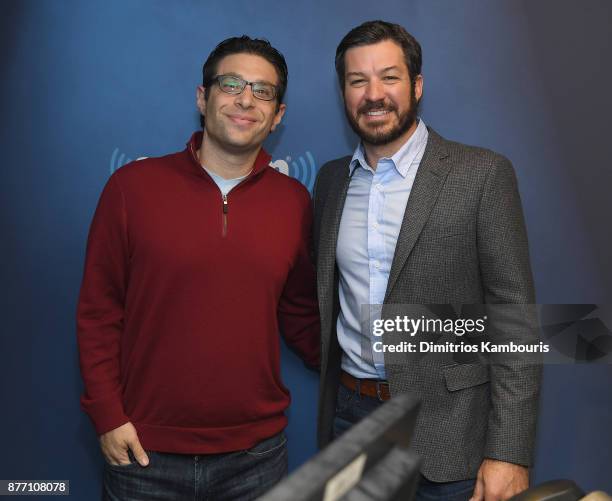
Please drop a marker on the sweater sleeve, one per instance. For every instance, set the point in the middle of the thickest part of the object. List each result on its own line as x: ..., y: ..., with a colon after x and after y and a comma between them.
x: 100, y: 310
x: 298, y: 310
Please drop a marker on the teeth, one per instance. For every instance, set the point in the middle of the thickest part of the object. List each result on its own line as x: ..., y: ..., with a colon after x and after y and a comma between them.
x: 377, y: 113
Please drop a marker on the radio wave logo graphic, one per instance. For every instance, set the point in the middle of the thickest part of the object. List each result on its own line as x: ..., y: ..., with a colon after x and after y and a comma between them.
x: 304, y: 169
x: 118, y: 160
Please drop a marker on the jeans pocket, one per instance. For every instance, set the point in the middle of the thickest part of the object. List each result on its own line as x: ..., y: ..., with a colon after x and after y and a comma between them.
x: 345, y: 396
x: 126, y: 466
x: 268, y: 446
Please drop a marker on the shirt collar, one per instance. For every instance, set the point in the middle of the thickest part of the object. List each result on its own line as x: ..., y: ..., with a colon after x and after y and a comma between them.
x: 403, y: 158
x: 193, y: 145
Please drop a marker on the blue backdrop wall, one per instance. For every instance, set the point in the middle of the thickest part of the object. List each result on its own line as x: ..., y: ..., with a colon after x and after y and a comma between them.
x: 87, y: 85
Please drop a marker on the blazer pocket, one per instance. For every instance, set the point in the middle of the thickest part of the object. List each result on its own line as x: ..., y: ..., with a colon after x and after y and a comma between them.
x: 461, y: 376
x: 430, y: 236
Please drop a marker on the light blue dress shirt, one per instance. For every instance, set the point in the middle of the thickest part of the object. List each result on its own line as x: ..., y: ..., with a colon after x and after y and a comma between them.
x: 370, y: 224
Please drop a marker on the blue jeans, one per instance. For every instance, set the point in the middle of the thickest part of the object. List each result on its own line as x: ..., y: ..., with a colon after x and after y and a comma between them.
x: 352, y: 407
x: 240, y: 475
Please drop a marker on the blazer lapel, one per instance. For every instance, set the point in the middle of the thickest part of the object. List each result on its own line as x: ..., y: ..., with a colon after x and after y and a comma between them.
x: 425, y: 190
x: 328, y: 238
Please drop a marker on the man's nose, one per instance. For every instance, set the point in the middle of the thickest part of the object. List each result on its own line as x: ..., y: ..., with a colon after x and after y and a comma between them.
x: 246, y: 99
x: 374, y: 90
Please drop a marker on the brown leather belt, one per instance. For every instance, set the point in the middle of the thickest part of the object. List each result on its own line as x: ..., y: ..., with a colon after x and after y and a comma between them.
x: 369, y: 387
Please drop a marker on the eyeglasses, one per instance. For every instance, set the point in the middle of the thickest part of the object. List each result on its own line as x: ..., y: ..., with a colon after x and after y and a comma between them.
x: 231, y: 84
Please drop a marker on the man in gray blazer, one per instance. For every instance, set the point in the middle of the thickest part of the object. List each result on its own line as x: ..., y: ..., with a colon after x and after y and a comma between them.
x: 412, y: 218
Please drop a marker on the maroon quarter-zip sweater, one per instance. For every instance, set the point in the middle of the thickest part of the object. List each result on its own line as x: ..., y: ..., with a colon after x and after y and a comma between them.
x: 183, y: 297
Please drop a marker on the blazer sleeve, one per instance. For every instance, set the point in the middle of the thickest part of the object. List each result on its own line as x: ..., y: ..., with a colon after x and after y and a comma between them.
x: 510, y: 297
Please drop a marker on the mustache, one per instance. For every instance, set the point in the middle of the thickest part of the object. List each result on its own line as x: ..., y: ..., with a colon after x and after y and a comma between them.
x: 376, y: 106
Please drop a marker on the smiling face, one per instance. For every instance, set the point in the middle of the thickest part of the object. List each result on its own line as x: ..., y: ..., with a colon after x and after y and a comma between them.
x: 240, y: 122
x: 379, y: 97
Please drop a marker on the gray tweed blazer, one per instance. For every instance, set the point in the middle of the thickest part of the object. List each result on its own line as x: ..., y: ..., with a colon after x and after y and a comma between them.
x: 462, y: 240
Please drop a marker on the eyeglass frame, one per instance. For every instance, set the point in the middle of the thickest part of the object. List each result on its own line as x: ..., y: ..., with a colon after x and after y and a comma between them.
x: 217, y: 79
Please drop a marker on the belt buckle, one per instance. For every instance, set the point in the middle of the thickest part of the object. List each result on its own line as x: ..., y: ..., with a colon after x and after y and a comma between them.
x: 378, y: 389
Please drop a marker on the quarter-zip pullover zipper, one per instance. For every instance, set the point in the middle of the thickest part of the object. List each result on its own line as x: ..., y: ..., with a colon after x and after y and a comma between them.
x: 225, y: 205
x: 225, y: 211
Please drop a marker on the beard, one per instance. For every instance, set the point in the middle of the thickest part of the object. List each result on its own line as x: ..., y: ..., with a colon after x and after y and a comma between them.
x: 377, y: 135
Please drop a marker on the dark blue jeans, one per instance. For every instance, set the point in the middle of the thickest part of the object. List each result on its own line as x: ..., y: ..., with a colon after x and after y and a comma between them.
x: 352, y: 407
x: 240, y: 475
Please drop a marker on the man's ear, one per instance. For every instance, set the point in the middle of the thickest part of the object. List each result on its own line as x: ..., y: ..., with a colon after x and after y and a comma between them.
x: 418, y: 87
x: 200, y: 100
x: 279, y: 116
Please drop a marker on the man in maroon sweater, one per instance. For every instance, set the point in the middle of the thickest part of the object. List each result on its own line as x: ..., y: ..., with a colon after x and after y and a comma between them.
x: 195, y: 261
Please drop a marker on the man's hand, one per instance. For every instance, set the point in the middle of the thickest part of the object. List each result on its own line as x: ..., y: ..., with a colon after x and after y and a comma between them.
x: 116, y: 443
x: 498, y: 480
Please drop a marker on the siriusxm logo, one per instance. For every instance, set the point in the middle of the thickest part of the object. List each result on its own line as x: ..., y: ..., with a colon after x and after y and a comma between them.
x: 118, y: 160
x: 303, y: 168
